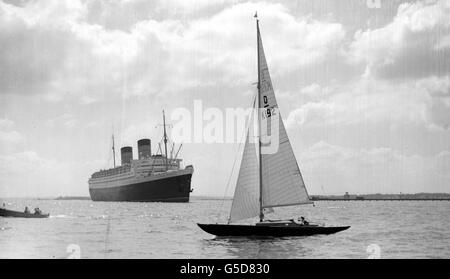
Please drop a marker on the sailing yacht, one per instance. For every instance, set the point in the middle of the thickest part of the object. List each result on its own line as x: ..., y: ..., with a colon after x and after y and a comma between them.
x: 267, y: 179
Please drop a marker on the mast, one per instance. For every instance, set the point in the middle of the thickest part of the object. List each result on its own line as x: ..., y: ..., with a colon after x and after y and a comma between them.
x: 165, y: 138
x: 261, y: 212
x: 114, y: 151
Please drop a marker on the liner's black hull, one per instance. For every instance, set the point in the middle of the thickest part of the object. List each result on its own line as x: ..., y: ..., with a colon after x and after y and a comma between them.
x: 170, y: 189
x: 18, y: 214
x: 272, y: 231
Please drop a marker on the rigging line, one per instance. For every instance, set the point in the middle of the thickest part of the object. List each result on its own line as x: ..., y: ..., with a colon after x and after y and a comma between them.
x: 237, y: 153
x: 153, y: 164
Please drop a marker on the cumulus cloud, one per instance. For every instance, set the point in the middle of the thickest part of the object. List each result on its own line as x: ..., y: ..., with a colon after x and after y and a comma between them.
x: 71, y: 57
x: 49, y: 50
x: 423, y: 102
x: 411, y: 46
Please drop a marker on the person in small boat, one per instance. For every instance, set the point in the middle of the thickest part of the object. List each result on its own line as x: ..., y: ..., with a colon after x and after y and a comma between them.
x: 26, y: 210
x: 37, y: 211
x: 303, y: 221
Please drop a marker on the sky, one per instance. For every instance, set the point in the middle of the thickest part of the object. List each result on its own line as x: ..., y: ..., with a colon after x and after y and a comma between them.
x: 362, y: 85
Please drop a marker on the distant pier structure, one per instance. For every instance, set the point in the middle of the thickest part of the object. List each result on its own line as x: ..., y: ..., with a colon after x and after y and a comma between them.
x: 384, y: 197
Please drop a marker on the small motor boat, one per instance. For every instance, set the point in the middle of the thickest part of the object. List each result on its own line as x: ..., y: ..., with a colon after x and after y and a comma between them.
x: 18, y: 214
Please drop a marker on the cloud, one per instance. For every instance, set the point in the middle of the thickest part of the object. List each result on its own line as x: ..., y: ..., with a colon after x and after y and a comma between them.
x: 406, y: 79
x: 48, y: 50
x: 72, y: 57
x: 70, y: 69
x: 424, y: 102
x: 124, y: 14
x: 411, y: 46
x: 335, y: 169
x: 36, y: 41
x: 293, y: 42
x: 439, y: 90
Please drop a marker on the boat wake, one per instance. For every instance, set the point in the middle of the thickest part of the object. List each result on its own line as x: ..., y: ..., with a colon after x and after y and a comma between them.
x: 61, y: 216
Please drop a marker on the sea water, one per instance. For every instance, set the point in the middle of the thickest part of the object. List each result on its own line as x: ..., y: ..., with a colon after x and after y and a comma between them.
x: 87, y: 229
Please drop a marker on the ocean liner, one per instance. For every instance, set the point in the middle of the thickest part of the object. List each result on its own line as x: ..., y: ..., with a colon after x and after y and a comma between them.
x: 150, y: 178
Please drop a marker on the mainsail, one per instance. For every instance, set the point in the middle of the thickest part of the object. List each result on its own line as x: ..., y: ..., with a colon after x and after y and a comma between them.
x: 282, y: 182
x: 276, y: 179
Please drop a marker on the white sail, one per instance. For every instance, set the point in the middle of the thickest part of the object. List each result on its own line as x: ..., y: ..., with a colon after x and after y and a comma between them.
x: 246, y: 195
x: 282, y: 182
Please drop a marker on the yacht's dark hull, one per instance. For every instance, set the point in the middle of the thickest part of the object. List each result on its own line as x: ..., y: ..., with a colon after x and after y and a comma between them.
x: 268, y: 230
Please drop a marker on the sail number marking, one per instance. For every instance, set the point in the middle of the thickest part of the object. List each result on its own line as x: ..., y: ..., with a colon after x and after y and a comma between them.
x: 266, y: 86
x: 268, y: 111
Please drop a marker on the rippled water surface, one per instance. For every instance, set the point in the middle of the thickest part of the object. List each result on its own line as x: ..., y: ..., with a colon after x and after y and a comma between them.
x: 390, y: 229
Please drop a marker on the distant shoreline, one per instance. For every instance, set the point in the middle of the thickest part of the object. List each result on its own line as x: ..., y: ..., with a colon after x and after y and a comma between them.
x: 345, y: 197
x: 192, y: 197
x: 384, y: 197
x: 73, y: 198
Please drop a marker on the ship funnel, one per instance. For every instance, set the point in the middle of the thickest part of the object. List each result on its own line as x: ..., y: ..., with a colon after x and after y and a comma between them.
x: 144, y: 149
x: 126, y: 154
